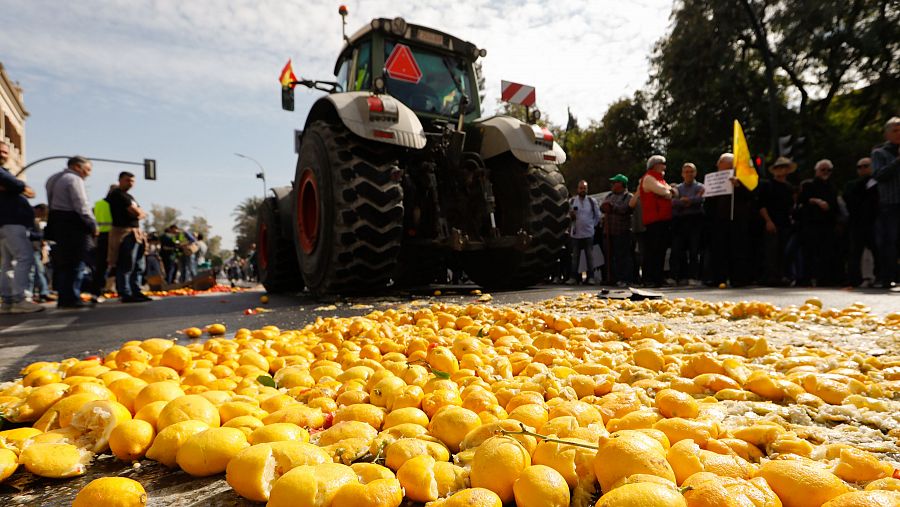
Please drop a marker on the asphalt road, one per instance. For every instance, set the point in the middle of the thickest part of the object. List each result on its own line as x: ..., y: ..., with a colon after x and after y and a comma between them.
x: 56, y: 334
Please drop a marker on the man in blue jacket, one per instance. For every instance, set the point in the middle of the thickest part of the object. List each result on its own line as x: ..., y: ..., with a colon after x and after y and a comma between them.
x: 886, y: 171
x: 16, y: 217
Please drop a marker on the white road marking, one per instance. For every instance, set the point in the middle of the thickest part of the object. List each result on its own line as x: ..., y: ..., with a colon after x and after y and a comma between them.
x: 40, y: 325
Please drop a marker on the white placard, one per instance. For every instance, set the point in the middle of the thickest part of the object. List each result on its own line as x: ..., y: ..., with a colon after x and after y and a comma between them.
x: 718, y: 183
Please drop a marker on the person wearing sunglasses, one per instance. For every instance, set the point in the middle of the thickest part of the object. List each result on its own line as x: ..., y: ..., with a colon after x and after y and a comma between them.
x: 861, y: 198
x: 818, y: 218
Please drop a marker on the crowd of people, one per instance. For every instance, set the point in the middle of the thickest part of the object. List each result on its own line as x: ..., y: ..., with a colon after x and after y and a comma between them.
x: 777, y: 234
x: 68, y: 246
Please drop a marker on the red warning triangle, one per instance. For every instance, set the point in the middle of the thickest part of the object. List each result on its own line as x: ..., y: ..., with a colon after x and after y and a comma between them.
x: 402, y: 66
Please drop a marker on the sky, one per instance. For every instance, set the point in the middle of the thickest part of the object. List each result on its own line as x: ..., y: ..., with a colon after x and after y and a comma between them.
x: 192, y: 82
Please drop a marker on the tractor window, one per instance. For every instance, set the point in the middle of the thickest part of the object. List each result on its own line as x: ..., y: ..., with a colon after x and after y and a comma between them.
x: 363, y: 67
x: 445, y: 79
x: 343, y: 74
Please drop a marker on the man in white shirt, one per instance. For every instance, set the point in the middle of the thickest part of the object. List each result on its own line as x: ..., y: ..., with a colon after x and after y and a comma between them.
x: 585, y: 215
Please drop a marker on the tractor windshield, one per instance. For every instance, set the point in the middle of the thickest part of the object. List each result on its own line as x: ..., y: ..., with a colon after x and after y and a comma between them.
x: 445, y: 79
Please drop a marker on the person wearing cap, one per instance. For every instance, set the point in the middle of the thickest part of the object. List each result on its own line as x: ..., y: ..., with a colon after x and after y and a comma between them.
x: 618, y: 243
x: 818, y: 218
x: 861, y: 197
x: 886, y: 170
x: 585, y: 215
x: 687, y: 228
x: 729, y: 245
x: 656, y: 201
x: 776, y: 201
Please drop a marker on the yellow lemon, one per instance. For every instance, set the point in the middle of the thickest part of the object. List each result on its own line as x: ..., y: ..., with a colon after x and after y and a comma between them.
x: 191, y: 407
x: 254, y: 470
x: 865, y: 499
x: 541, y: 486
x: 278, y: 432
x: 497, y: 464
x: 626, y: 453
x: 167, y: 442
x: 472, y: 497
x: 55, y: 460
x: 9, y: 462
x: 95, y: 421
x: 130, y: 440
x: 450, y: 425
x: 706, y: 489
x: 799, y: 484
x: 111, y: 492
x: 310, y: 486
x: 642, y: 494
x: 157, y: 391
x: 208, y: 452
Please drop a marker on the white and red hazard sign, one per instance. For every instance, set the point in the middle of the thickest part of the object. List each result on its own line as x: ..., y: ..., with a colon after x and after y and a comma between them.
x: 401, y: 65
x: 516, y: 93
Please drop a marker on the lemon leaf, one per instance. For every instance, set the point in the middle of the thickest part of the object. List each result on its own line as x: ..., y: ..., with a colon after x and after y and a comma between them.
x: 481, y: 333
x: 266, y: 381
x: 440, y: 374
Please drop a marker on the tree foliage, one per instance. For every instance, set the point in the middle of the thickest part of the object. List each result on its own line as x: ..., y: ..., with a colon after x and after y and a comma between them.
x: 244, y: 228
x: 826, y: 70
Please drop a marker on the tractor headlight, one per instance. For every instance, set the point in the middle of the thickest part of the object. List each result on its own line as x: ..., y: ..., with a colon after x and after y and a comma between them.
x: 398, y: 26
x: 378, y: 84
x: 376, y: 24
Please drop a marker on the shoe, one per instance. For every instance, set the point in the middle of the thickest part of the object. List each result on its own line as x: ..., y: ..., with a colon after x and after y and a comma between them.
x: 590, y: 281
x: 621, y: 284
x: 570, y: 281
x: 693, y: 282
x: 669, y: 282
x: 5, y: 307
x: 25, y: 307
x: 143, y: 297
x: 75, y: 305
x: 134, y: 299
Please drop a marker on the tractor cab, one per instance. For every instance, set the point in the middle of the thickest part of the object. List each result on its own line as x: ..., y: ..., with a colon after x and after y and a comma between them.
x: 429, y: 71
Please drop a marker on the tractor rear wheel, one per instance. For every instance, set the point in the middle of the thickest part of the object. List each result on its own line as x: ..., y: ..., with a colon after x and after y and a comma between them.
x: 348, y: 211
x: 277, y: 262
x: 533, y: 198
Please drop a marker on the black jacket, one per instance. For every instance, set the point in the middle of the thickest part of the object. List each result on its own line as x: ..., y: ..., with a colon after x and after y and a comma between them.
x: 14, y: 208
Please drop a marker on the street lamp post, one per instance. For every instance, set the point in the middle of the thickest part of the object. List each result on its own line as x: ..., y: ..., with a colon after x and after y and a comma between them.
x: 260, y: 175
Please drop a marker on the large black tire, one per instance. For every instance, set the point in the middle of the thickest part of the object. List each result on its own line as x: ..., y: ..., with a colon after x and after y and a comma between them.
x: 533, y: 198
x: 348, y: 211
x: 277, y: 262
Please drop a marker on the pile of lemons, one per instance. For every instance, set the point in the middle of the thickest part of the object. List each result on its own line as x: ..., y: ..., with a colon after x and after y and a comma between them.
x: 479, y: 405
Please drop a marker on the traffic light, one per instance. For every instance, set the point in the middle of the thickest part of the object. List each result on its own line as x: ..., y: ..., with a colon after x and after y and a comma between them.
x: 759, y: 161
x: 149, y: 169
x: 784, y: 145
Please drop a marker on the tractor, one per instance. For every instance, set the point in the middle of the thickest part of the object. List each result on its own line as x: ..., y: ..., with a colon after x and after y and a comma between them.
x: 398, y: 176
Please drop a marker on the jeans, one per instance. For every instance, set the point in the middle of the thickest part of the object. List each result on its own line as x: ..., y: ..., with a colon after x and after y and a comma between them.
x: 186, y: 266
x: 886, y: 227
x: 579, y: 245
x: 38, y: 277
x: 129, y: 267
x: 687, y: 233
x: 14, y: 247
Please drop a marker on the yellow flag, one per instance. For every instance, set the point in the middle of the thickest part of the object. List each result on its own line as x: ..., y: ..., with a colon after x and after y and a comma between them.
x: 743, y: 165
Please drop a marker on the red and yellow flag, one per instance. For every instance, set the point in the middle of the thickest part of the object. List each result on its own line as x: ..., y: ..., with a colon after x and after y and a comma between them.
x: 287, y: 77
x: 743, y: 165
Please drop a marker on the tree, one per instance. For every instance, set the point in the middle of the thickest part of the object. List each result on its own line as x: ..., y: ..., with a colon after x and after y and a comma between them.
x: 821, y: 69
x: 619, y: 143
x: 161, y: 217
x: 245, y: 215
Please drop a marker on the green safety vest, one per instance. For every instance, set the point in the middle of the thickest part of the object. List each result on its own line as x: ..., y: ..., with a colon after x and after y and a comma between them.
x: 103, y: 215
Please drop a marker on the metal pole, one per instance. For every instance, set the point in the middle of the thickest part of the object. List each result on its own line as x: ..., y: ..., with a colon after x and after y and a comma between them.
x: 92, y: 159
x: 262, y: 171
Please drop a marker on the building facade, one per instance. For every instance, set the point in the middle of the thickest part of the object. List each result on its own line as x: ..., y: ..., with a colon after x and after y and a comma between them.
x: 12, y: 121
